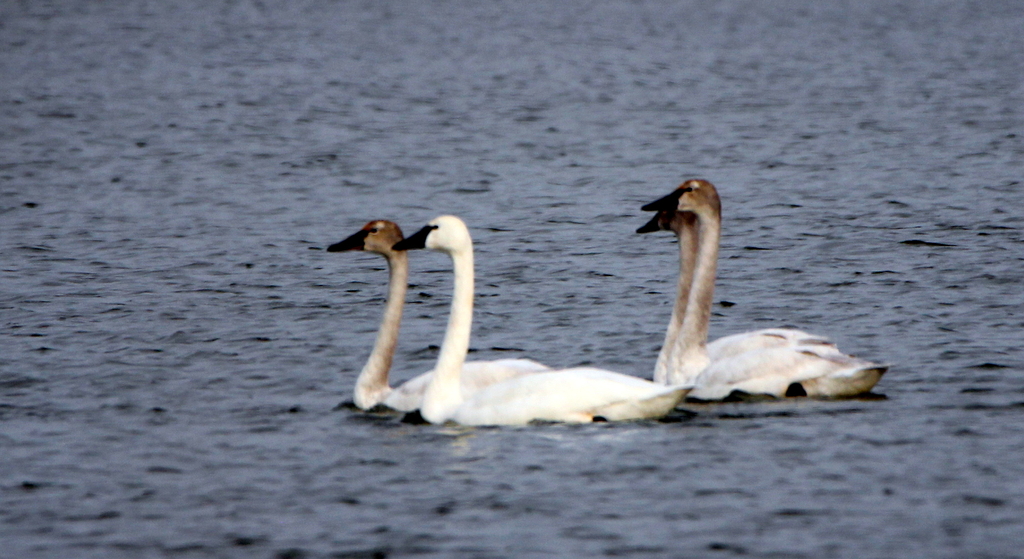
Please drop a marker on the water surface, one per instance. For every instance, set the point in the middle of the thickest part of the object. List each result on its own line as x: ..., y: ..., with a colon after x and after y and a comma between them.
x: 175, y: 341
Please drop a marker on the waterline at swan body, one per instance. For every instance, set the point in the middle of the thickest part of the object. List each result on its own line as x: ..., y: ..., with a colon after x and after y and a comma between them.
x: 568, y: 395
x: 372, y: 386
x: 778, y: 362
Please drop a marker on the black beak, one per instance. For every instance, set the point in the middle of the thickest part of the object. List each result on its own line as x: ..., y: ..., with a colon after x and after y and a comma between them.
x: 669, y: 202
x: 652, y: 225
x: 416, y: 240
x: 354, y: 242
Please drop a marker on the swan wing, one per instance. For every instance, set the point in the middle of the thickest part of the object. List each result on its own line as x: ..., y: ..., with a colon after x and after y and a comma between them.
x: 569, y: 395
x: 476, y: 375
x: 821, y: 371
x: 735, y: 344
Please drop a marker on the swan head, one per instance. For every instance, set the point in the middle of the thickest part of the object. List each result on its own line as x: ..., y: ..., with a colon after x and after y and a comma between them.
x: 376, y: 236
x: 696, y: 195
x: 446, y: 233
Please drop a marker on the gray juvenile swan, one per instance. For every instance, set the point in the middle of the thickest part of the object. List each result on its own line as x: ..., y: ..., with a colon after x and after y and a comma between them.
x: 372, y: 386
x: 779, y: 362
x: 684, y: 225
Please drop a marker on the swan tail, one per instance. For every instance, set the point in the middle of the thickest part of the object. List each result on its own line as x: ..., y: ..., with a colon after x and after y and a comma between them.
x: 845, y: 383
x: 651, y: 407
x: 817, y: 371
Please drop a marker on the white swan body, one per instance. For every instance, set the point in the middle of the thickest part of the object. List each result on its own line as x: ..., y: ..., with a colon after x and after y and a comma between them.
x: 758, y: 362
x: 372, y: 387
x: 569, y: 395
x: 576, y: 395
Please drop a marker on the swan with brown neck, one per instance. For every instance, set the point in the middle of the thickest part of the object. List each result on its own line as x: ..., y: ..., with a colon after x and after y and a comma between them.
x: 372, y: 387
x: 568, y: 395
x: 685, y: 226
x: 779, y: 362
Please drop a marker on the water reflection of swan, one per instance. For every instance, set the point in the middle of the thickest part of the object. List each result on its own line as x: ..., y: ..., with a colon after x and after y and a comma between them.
x: 571, y: 395
x: 779, y: 362
x: 372, y: 384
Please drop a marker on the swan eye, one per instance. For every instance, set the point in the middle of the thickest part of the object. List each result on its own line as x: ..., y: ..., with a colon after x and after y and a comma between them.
x: 373, y: 230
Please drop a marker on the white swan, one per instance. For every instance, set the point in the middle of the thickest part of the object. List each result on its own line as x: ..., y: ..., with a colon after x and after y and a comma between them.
x: 779, y: 362
x: 372, y: 386
x: 569, y: 395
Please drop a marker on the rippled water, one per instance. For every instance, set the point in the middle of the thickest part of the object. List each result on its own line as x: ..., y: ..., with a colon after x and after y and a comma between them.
x: 175, y: 342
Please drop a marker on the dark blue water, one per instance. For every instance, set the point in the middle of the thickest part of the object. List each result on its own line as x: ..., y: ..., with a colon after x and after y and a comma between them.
x: 174, y: 341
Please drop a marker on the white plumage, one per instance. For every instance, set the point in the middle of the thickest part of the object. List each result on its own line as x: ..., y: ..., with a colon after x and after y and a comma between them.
x: 569, y: 395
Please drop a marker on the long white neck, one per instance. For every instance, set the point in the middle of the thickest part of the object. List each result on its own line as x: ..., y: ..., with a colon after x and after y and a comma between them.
x: 690, y: 353
x: 443, y: 394
x: 684, y: 228
x: 372, y: 383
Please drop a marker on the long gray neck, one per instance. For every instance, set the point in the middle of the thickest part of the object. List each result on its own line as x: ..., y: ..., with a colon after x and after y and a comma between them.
x: 684, y: 225
x: 372, y: 383
x: 690, y: 355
